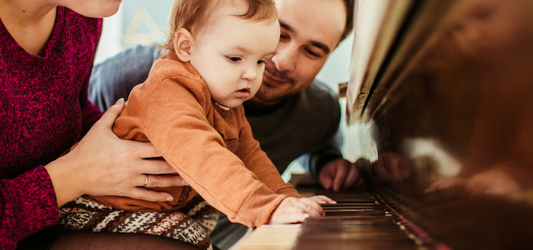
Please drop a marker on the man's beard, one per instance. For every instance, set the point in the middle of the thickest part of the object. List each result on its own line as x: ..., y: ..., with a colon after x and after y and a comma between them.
x: 279, y: 74
x: 271, y: 93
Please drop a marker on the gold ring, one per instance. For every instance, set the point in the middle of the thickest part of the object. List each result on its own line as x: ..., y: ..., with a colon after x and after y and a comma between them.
x: 146, y: 181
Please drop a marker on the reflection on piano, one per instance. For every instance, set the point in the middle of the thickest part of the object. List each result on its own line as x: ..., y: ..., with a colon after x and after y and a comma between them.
x: 447, y: 87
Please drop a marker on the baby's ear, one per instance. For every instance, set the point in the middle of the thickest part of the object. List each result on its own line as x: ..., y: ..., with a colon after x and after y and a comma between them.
x: 183, y: 43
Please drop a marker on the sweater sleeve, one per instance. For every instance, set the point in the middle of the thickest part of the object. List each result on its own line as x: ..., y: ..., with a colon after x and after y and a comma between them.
x: 258, y: 162
x: 176, y: 110
x: 27, y: 204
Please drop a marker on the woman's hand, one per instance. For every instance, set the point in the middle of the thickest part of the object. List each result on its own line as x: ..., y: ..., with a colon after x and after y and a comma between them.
x: 103, y: 164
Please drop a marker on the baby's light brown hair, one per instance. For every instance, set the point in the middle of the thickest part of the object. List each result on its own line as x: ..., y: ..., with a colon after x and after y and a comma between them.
x: 196, y: 15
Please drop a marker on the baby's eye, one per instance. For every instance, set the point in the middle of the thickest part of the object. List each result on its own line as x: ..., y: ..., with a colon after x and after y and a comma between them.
x: 261, y: 61
x: 234, y: 58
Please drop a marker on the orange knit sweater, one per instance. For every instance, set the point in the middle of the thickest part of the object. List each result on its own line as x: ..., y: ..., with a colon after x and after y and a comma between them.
x: 212, y: 149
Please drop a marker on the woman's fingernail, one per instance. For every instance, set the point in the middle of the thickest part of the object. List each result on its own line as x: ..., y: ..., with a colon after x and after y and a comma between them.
x: 120, y: 101
x: 170, y: 198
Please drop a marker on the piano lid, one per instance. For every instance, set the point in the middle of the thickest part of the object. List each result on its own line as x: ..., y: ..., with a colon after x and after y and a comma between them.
x: 388, y: 34
x: 447, y: 87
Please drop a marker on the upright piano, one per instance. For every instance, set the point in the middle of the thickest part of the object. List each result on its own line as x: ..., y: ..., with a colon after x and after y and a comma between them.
x: 447, y: 88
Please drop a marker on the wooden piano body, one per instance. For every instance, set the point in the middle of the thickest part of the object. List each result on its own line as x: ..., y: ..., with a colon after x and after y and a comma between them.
x: 447, y: 87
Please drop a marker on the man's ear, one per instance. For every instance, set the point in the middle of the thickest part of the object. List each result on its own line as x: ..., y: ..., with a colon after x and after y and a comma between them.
x: 183, y: 44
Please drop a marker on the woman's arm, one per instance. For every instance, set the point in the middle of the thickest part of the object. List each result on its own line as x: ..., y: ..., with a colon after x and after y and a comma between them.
x: 101, y: 164
x: 27, y: 205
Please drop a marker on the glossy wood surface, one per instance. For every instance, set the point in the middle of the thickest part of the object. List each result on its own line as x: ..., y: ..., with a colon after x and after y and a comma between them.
x: 453, y: 123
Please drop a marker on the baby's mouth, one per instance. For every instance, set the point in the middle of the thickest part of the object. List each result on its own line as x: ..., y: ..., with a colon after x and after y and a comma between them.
x: 243, y: 93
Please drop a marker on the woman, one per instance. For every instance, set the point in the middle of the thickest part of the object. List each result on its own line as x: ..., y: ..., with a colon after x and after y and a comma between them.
x: 46, y: 54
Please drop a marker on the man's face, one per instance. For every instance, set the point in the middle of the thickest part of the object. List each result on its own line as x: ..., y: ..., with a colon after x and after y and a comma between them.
x: 310, y: 31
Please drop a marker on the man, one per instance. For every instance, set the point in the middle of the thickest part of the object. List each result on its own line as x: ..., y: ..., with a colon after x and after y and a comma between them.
x: 292, y: 114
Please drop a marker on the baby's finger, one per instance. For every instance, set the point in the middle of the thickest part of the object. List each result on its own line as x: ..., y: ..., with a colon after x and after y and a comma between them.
x: 321, y: 199
x: 310, y: 206
x: 289, y: 218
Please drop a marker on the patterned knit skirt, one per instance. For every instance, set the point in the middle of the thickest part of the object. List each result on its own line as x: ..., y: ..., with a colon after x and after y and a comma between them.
x: 192, y: 223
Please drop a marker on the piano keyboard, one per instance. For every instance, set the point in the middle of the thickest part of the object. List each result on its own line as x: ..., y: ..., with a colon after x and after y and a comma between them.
x: 357, y: 221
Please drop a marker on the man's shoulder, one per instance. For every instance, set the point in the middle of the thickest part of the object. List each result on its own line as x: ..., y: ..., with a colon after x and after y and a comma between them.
x: 319, y: 96
x: 317, y: 104
x: 320, y: 89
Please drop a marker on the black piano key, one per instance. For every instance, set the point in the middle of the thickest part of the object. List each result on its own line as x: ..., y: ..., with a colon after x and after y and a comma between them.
x: 352, y: 212
x: 351, y: 205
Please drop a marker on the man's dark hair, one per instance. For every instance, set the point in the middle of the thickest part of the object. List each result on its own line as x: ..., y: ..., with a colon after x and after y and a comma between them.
x: 348, y: 27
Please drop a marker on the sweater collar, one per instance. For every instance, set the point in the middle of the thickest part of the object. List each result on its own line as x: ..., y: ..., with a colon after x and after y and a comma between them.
x: 253, y: 111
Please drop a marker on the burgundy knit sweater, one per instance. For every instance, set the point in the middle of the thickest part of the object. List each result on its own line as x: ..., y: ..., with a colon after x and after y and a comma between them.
x: 43, y: 111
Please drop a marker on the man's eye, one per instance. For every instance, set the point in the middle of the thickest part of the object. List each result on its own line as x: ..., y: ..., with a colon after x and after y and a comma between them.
x: 311, y: 53
x: 234, y: 58
x: 282, y: 37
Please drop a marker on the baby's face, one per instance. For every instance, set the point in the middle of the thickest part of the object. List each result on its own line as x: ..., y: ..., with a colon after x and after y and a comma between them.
x: 230, y: 56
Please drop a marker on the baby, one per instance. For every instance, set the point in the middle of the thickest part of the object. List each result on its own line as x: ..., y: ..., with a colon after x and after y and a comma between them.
x: 190, y: 109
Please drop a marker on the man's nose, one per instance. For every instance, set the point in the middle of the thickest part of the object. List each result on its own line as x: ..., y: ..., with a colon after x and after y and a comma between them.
x: 285, y: 58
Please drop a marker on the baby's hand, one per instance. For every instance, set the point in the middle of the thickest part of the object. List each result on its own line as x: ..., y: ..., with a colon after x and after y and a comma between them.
x: 293, y: 210
x: 321, y: 199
